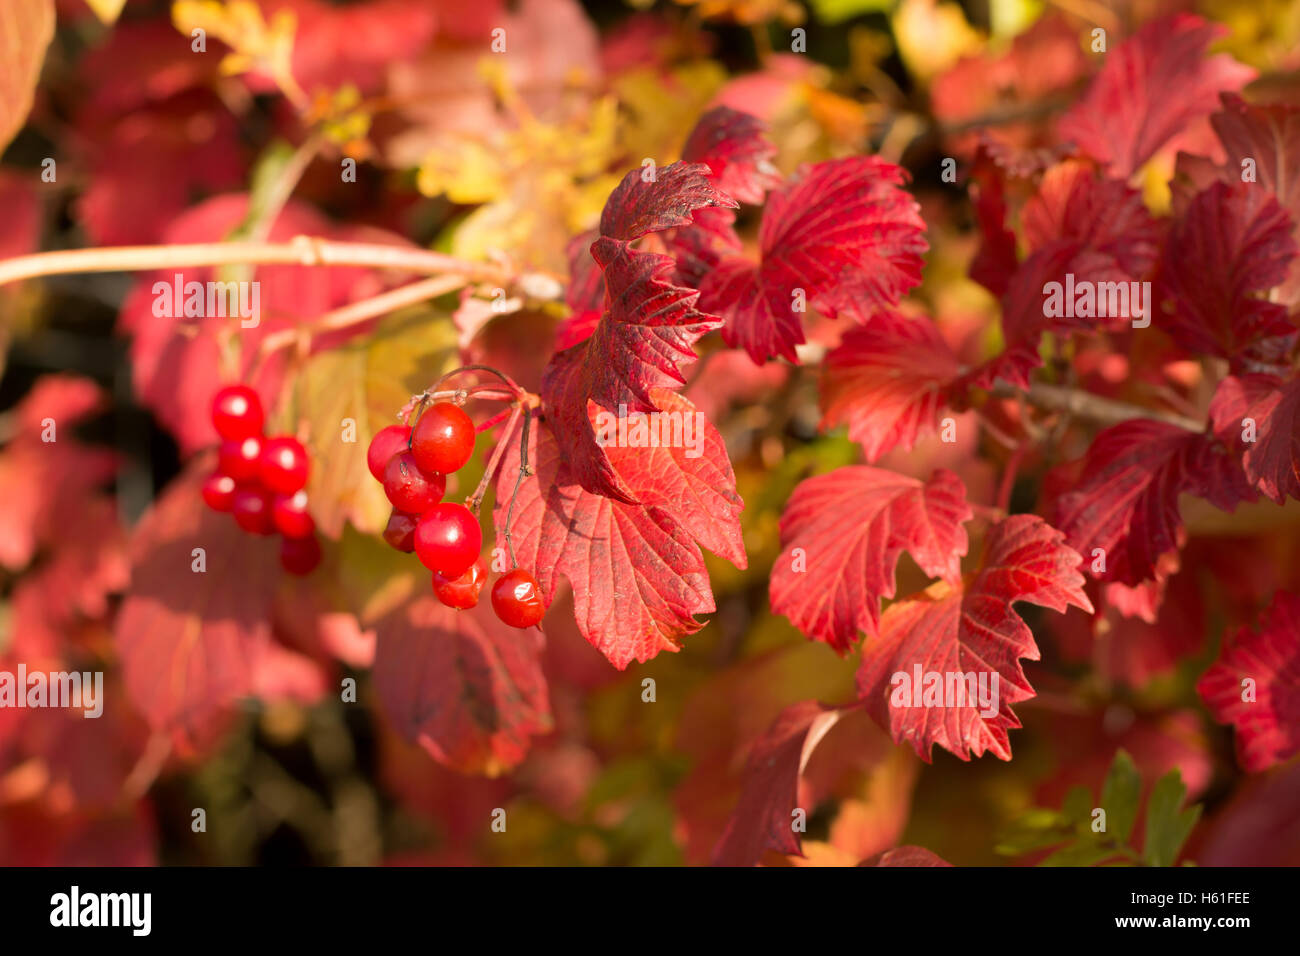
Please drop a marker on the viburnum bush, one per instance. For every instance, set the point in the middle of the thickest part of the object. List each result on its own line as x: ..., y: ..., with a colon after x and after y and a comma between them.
x: 813, y: 415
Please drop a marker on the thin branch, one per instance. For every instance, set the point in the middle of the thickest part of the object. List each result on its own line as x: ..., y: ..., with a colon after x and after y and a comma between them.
x: 1103, y: 411
x: 283, y: 187
x: 301, y: 251
x: 357, y: 312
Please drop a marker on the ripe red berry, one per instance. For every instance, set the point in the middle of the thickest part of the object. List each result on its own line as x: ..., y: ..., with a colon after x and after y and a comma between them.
x: 462, y: 592
x: 443, y: 439
x: 400, y: 533
x: 517, y: 599
x: 237, y: 412
x: 283, y: 466
x: 409, y: 487
x: 252, y: 511
x: 219, y: 491
x: 290, y: 515
x: 448, y: 539
x: 300, y: 555
x: 239, y: 459
x: 388, y: 441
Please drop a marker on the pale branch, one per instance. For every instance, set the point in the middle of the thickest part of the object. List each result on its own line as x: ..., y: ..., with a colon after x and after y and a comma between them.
x: 1094, y: 408
x: 357, y: 312
x: 300, y: 251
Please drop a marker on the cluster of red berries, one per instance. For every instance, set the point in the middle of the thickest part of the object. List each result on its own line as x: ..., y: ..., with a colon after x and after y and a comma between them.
x: 261, y: 480
x: 413, y: 464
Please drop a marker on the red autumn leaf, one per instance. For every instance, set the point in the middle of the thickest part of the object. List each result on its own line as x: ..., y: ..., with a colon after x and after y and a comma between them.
x: 1258, y: 417
x: 888, y: 381
x: 969, y: 629
x: 46, y: 483
x: 1137, y: 633
x: 1042, y: 63
x: 637, y: 572
x: 1102, y: 216
x: 1076, y: 224
x: 22, y: 204
x: 996, y: 259
x: 85, y: 563
x: 147, y: 167
x: 1268, y: 134
x: 1151, y: 87
x: 843, y: 233
x: 336, y: 45
x: 842, y: 535
x: 193, y: 643
x: 1230, y: 247
x: 638, y: 207
x: 461, y: 684
x: 736, y: 149
x: 1127, y: 503
x: 762, y: 819
x: 1023, y: 319
x: 1266, y: 713
x: 647, y: 330
x: 906, y: 856
x: 1273, y: 463
x: 1258, y: 826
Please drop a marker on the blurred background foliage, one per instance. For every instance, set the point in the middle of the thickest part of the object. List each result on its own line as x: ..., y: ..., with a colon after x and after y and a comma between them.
x: 620, y: 781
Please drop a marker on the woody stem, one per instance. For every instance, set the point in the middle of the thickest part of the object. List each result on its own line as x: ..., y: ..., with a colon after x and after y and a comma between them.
x: 1081, y: 404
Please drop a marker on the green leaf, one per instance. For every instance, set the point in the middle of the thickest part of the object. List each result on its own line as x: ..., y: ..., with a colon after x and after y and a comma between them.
x: 263, y: 186
x: 1035, y: 829
x: 1085, y: 852
x: 1167, y: 827
x: 1120, y: 795
x: 1077, y: 809
x: 837, y: 11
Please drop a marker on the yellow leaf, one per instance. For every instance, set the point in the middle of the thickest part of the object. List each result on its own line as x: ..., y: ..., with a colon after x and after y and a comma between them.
x: 107, y: 10
x: 932, y: 35
x: 351, y: 393
x: 26, y: 28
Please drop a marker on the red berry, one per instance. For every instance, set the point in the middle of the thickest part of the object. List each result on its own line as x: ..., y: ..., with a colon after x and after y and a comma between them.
x: 291, y: 516
x: 237, y: 412
x: 517, y: 599
x: 448, y: 539
x: 300, y: 555
x: 462, y: 592
x: 388, y: 441
x: 283, y: 466
x: 409, y: 487
x: 400, y: 533
x: 239, y: 459
x: 443, y: 439
x: 219, y: 491
x: 252, y: 511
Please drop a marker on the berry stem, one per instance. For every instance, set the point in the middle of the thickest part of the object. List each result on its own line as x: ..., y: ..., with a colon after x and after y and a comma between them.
x: 523, y: 470
x: 474, y: 501
x: 494, y: 420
